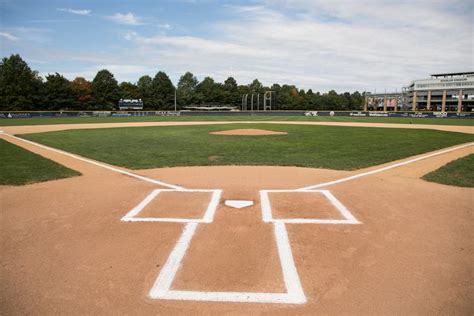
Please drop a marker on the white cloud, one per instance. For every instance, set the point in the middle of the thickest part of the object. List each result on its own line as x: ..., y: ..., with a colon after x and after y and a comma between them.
x: 52, y: 21
x: 125, y: 18
x: 29, y: 35
x: 164, y: 26
x: 76, y: 11
x: 199, y: 45
x: 245, y: 8
x: 130, y: 36
x: 8, y: 36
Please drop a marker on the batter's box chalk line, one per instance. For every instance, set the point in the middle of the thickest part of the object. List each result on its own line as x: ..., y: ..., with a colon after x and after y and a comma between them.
x: 294, y: 294
x: 132, y: 215
x: 267, y: 215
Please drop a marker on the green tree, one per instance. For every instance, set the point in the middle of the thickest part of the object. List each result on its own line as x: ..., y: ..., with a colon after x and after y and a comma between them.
x: 105, y: 90
x: 162, y: 92
x: 231, y: 92
x: 58, y: 93
x: 20, y: 86
x: 208, y: 92
x: 230, y: 84
x: 82, y: 91
x: 144, y: 87
x: 357, y: 101
x: 256, y: 86
x: 287, y: 98
x: 187, y: 88
x: 128, y: 90
x: 332, y: 101
x: 303, y: 100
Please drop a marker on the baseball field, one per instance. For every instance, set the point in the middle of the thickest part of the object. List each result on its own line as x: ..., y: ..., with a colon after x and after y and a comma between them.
x: 247, y: 216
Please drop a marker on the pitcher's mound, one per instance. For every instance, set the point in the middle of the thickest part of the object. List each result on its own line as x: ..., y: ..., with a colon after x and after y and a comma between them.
x: 248, y: 132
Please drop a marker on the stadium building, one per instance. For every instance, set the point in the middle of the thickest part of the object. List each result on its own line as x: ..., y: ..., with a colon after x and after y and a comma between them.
x: 442, y: 92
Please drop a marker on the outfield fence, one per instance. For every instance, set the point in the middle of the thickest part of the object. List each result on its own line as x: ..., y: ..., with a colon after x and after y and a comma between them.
x: 50, y: 114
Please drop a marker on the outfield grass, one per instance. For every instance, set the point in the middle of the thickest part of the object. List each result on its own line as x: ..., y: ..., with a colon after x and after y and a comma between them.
x: 84, y: 120
x: 459, y: 172
x: 20, y: 166
x: 345, y: 148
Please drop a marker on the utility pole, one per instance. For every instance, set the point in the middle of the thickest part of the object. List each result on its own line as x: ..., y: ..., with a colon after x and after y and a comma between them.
x: 175, y: 98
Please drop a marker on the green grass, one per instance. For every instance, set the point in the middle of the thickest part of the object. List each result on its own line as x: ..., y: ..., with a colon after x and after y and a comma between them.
x: 84, y: 120
x: 345, y: 148
x: 20, y: 166
x: 459, y: 172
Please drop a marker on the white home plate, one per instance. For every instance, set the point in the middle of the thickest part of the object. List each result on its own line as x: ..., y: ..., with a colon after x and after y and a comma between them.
x: 238, y: 203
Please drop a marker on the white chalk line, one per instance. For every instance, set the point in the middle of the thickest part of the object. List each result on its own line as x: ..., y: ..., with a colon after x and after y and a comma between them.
x: 208, y: 217
x: 294, y: 295
x: 130, y: 174
x: 267, y: 215
x: 384, y: 168
x: 290, y: 274
x: 161, y: 289
x: 294, y: 290
x: 168, y: 272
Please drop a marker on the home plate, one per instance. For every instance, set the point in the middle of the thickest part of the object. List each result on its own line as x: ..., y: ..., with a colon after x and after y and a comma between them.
x: 238, y: 203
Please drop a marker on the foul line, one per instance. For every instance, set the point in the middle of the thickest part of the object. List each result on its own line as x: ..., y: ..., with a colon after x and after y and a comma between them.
x: 172, y: 186
x: 384, y: 168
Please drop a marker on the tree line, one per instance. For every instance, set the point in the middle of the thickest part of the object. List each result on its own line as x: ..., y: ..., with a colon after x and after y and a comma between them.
x: 22, y: 89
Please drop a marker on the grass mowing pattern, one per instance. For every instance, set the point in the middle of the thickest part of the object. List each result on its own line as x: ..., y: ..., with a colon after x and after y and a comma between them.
x: 459, y: 172
x: 344, y: 148
x: 84, y: 120
x: 20, y: 166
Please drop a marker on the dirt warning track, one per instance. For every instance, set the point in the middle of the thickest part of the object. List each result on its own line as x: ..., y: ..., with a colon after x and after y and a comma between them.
x: 407, y: 247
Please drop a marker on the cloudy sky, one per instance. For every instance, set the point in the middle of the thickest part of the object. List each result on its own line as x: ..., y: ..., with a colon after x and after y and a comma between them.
x: 343, y: 45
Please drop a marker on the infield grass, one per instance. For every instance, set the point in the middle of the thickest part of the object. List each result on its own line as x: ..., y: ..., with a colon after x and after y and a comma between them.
x: 459, y: 173
x: 20, y: 166
x: 85, y: 120
x: 344, y: 148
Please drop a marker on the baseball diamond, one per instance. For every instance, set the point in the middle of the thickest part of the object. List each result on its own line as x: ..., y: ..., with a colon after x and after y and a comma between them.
x: 269, y: 238
x: 237, y: 157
